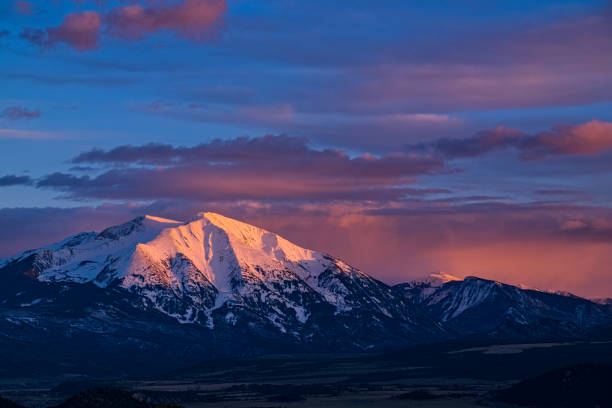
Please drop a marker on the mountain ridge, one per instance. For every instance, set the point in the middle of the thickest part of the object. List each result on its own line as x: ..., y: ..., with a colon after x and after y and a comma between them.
x: 219, y: 285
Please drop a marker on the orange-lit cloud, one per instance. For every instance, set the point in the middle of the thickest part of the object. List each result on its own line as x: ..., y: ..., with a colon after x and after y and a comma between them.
x: 520, y: 246
x: 588, y: 138
x: 578, y: 267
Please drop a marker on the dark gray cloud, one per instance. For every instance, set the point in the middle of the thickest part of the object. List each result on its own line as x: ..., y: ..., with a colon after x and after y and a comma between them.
x: 14, y: 180
x: 283, y: 153
x: 262, y: 168
x: 19, y: 112
x: 272, y: 167
x: 588, y: 138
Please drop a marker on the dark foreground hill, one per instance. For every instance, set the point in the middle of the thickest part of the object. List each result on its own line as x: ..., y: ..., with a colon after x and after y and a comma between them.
x: 5, y: 403
x: 579, y: 386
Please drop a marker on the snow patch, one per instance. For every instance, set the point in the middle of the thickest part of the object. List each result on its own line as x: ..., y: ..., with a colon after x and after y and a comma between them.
x: 32, y: 303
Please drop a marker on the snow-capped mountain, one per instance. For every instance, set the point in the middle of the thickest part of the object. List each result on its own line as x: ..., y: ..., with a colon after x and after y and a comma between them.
x: 186, y: 270
x: 214, y: 286
x: 215, y: 273
x: 480, y: 306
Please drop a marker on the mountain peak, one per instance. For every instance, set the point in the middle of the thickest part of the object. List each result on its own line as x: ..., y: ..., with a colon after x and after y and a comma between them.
x: 143, y: 223
x: 160, y: 219
x: 443, y: 277
x: 255, y: 244
x: 209, y: 260
x: 230, y: 225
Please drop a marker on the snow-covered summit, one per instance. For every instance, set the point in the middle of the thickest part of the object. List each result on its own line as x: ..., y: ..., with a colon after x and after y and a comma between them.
x: 188, y: 269
x: 127, y: 250
x: 436, y: 279
x: 420, y: 288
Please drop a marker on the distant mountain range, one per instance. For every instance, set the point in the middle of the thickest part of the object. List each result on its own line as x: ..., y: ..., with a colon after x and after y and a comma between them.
x: 214, y: 286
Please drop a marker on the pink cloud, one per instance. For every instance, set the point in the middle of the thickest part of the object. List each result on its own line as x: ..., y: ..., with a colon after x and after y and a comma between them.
x: 527, y: 64
x: 191, y: 19
x: 23, y: 7
x: 79, y: 30
x: 585, y: 139
x: 528, y: 245
x: 454, y: 86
